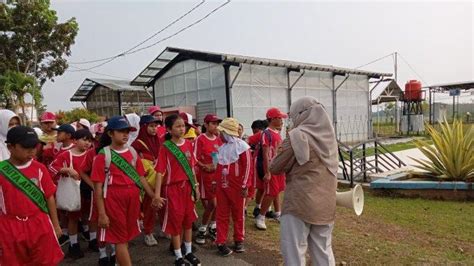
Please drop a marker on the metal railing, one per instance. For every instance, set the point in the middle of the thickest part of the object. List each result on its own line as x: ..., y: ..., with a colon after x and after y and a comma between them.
x: 366, y: 157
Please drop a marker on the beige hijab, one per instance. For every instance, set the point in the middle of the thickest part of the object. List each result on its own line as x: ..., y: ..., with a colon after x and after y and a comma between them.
x: 312, y: 130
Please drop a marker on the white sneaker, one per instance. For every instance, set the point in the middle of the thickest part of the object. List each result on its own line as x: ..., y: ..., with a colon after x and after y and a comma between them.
x: 260, y: 223
x: 150, y: 240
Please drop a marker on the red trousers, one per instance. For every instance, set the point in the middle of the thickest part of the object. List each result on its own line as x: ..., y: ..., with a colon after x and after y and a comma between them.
x: 149, y: 213
x: 230, y: 201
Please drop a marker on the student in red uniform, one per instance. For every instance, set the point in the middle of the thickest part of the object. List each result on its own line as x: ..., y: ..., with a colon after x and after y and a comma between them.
x: 234, y: 165
x: 158, y: 114
x: 273, y: 185
x: 46, y: 151
x: 118, y: 191
x: 205, y: 150
x: 177, y: 189
x: 92, y: 216
x: 147, y: 146
x: 62, y: 167
x: 27, y: 233
x: 64, y: 138
x: 257, y: 127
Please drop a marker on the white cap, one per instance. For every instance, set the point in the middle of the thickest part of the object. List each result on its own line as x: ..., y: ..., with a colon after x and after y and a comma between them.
x: 85, y: 122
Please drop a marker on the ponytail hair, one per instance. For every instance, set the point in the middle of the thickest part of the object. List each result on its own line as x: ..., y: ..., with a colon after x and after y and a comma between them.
x: 104, y: 141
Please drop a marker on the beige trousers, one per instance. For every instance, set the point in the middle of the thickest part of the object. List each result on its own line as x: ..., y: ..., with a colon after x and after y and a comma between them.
x: 297, y: 236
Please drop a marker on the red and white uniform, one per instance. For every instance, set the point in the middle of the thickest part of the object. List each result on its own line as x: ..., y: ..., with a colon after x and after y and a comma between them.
x: 234, y: 178
x: 179, y: 211
x: 122, y: 202
x: 63, y: 159
x: 89, y: 205
x: 52, y: 150
x: 277, y: 182
x: 253, y: 141
x: 26, y: 233
x: 204, y: 147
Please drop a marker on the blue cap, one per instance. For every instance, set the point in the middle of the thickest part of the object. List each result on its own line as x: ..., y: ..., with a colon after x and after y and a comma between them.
x: 119, y: 123
x: 147, y: 119
x: 65, y: 128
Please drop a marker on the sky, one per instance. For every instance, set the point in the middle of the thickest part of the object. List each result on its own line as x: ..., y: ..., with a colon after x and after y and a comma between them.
x: 435, y: 38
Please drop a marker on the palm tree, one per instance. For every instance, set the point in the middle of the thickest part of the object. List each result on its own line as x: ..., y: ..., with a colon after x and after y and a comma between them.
x: 15, y: 86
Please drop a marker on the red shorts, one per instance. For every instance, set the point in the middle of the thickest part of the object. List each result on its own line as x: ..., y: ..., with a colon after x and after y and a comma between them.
x: 28, y: 241
x: 179, y: 209
x: 122, y: 206
x: 273, y: 187
x: 206, y: 189
x: 251, y: 192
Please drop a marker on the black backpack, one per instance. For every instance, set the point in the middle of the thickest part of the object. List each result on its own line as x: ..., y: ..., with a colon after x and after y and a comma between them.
x: 259, y: 166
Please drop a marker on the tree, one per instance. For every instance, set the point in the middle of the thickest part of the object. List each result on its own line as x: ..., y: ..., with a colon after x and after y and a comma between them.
x: 32, y: 41
x: 76, y: 114
x: 389, y: 111
x: 16, y: 86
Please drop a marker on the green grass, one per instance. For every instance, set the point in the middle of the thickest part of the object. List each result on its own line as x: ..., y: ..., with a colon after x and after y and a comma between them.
x: 395, y: 231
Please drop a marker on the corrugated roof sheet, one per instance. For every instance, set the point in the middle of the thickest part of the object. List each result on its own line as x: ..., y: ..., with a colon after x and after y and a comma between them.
x: 385, y: 91
x: 463, y: 85
x: 170, y: 53
x: 89, y: 84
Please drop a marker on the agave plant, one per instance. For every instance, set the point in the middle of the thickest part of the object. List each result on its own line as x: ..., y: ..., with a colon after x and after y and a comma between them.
x: 452, y: 155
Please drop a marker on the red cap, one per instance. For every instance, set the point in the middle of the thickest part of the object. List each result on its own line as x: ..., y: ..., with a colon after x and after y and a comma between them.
x: 188, y: 119
x: 154, y: 109
x: 275, y: 113
x: 48, y: 117
x: 211, y: 118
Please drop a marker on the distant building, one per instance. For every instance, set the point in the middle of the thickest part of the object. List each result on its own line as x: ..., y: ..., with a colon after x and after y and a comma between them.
x: 109, y: 97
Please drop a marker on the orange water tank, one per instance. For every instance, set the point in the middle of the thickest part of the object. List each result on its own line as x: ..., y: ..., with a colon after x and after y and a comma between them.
x: 413, y: 91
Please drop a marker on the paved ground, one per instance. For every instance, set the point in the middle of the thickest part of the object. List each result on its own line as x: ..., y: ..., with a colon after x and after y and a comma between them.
x: 159, y: 255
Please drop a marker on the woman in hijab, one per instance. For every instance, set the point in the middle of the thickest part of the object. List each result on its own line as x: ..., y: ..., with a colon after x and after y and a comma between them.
x: 309, y: 159
x: 8, y: 119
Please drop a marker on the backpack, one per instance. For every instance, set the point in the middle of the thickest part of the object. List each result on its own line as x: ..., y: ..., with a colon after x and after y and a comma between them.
x: 108, y: 161
x: 259, y: 165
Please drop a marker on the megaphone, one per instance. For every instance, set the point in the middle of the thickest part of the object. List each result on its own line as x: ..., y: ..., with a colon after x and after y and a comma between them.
x: 352, y: 199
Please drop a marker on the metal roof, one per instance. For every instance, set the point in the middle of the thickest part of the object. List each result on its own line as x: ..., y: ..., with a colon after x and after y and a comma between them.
x: 89, y: 84
x: 386, y: 91
x: 464, y: 85
x: 171, y: 56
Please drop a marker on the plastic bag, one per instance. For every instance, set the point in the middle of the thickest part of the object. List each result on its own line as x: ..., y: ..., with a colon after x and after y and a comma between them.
x: 68, y: 193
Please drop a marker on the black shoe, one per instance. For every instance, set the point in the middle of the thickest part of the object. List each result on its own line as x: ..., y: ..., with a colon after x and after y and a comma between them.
x: 213, y: 233
x: 180, y: 262
x: 112, y: 260
x: 256, y: 212
x: 239, y: 247
x: 104, y: 261
x: 75, y: 252
x: 86, y: 235
x: 194, y: 249
x: 192, y: 259
x: 224, y: 250
x: 270, y: 214
x: 200, y: 237
x: 93, y: 245
x: 63, y: 240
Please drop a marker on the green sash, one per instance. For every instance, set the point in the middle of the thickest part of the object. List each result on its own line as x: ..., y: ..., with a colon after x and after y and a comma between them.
x: 125, y: 167
x: 24, y: 184
x: 183, y: 161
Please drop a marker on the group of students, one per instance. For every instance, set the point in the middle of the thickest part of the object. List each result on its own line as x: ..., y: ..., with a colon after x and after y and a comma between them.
x: 134, y: 172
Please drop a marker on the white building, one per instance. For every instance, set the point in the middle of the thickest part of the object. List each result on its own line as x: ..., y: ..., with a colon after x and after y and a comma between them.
x: 245, y: 87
